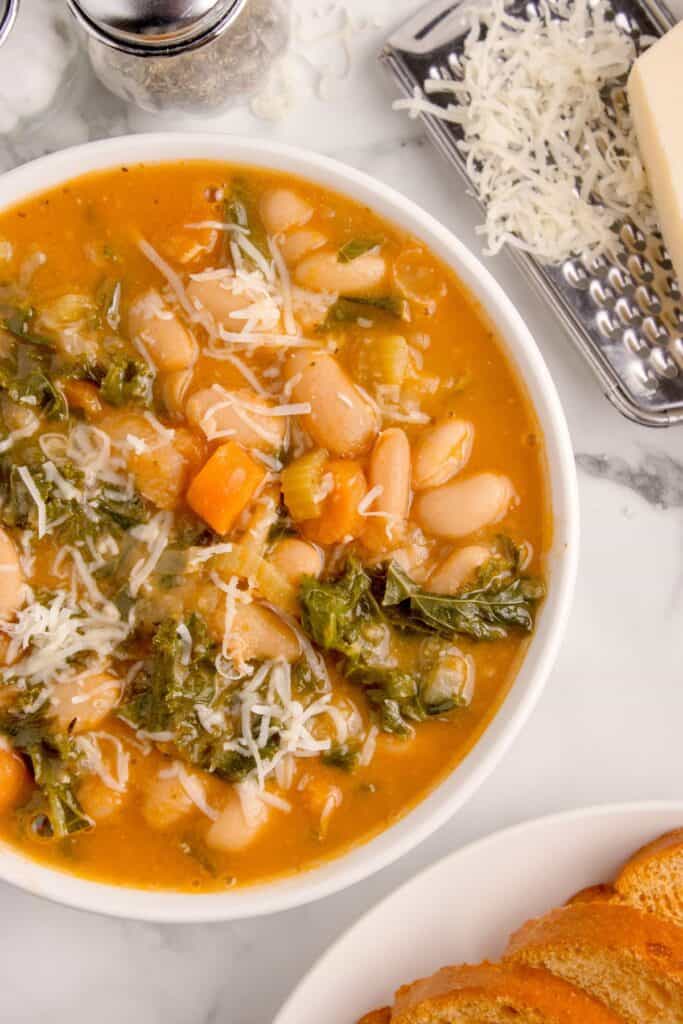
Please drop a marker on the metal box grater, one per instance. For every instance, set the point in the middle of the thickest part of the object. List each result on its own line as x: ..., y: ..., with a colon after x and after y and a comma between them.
x: 625, y: 316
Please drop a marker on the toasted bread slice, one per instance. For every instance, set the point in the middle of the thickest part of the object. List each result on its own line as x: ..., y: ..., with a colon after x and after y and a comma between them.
x: 496, y: 994
x: 629, y: 960
x: 593, y: 893
x: 653, y: 878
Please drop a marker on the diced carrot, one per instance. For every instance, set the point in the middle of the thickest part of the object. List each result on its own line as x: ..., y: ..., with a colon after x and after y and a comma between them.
x: 224, y: 486
x: 339, y: 517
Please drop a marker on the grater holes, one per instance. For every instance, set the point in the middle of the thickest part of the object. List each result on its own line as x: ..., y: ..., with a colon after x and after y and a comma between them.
x: 596, y: 265
x: 672, y: 318
x: 575, y: 274
x: 606, y: 323
x: 639, y: 267
x: 647, y: 300
x: 618, y: 279
x: 455, y: 65
x: 654, y: 330
x: 673, y: 289
x: 643, y: 376
x: 626, y: 24
x: 661, y: 257
x: 632, y: 237
x: 600, y: 293
x: 676, y: 351
x: 662, y: 363
x: 636, y: 345
x: 626, y: 311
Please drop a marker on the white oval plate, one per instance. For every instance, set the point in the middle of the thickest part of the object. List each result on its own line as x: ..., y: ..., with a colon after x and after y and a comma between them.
x: 463, y: 908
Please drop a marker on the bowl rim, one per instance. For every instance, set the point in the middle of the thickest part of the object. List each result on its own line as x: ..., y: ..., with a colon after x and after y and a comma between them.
x: 454, y: 790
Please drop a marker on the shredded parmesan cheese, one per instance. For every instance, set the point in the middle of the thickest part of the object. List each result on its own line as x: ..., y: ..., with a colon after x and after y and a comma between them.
x: 159, y: 528
x: 553, y: 164
x: 30, y: 485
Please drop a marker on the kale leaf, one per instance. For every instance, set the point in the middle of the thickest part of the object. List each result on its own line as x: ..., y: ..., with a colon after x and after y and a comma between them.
x: 241, y: 208
x: 344, y: 616
x: 367, y: 617
x: 169, y: 692
x: 342, y: 756
x: 500, y: 598
x: 19, y: 323
x: 350, y: 308
x: 54, y: 760
x: 123, y: 512
x: 356, y: 247
x: 127, y: 381
x: 27, y: 378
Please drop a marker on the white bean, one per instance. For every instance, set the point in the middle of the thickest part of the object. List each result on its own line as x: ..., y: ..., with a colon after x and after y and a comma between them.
x: 98, y: 800
x: 173, y: 390
x: 258, y: 634
x: 322, y: 272
x: 162, y: 467
x: 11, y: 577
x: 462, y: 507
x: 170, y: 345
x: 217, y: 297
x: 232, y: 832
x: 341, y: 419
x: 299, y: 243
x: 441, y: 451
x: 235, y: 415
x: 296, y: 558
x: 165, y: 802
x: 413, y: 558
x: 82, y: 704
x: 14, y: 780
x: 459, y: 566
x: 389, y: 469
x: 281, y: 209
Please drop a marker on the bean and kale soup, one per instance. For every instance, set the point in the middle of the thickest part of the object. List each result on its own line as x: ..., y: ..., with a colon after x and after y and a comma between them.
x: 273, y: 525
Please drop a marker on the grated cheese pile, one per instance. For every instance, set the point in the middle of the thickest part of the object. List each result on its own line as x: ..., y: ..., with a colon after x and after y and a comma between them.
x: 50, y: 642
x: 555, y: 167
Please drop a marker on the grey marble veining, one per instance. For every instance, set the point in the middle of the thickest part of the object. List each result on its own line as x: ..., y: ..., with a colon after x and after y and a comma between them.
x: 656, y: 476
x: 608, y: 725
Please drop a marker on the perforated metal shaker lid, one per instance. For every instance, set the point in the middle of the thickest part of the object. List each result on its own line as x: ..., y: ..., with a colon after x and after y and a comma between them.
x: 157, y: 27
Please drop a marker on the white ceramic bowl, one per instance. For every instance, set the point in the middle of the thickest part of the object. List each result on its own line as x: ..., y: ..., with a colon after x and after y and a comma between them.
x: 432, y: 812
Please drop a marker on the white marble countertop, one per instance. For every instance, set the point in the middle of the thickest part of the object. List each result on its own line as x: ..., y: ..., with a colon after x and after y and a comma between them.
x: 607, y: 728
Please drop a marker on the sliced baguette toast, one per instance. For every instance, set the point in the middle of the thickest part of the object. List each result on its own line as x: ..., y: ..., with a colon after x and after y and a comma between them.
x: 496, y: 994
x: 653, y: 878
x: 593, y: 893
x: 629, y: 960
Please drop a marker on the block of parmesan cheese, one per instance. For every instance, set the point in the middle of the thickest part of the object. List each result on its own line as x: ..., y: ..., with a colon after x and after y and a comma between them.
x: 655, y: 93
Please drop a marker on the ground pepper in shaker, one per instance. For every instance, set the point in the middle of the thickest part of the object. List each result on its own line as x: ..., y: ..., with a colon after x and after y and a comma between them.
x: 183, y: 56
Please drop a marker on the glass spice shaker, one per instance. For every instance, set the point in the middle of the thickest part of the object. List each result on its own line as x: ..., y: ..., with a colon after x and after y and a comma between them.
x: 183, y: 56
x: 8, y: 14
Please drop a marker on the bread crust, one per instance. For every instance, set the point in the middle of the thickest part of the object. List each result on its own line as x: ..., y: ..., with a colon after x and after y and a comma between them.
x: 593, y: 893
x: 623, y: 956
x: 382, y: 1016
x: 654, y: 941
x: 510, y: 986
x: 630, y: 883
